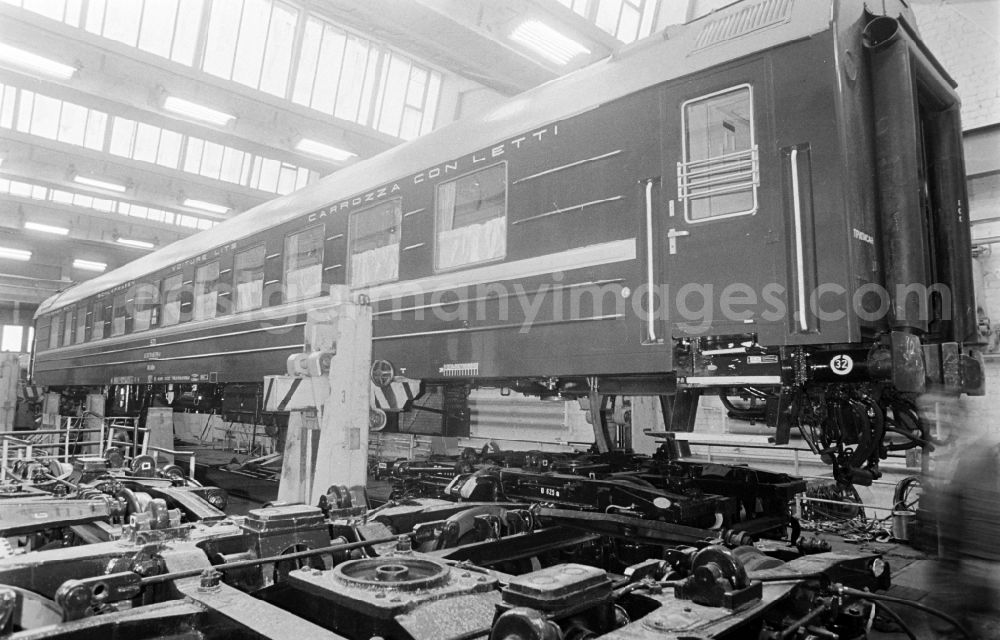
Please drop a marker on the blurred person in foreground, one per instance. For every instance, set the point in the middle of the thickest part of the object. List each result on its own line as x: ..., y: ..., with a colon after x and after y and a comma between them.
x: 965, y: 496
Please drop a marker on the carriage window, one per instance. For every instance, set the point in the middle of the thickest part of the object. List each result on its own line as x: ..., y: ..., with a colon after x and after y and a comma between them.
x: 172, y: 287
x: 206, y: 292
x: 107, y: 312
x: 472, y: 218
x: 42, y: 335
x: 97, y: 332
x: 249, y: 278
x: 68, y: 327
x: 55, y: 330
x: 147, y: 296
x: 120, y: 314
x: 720, y: 172
x: 304, y: 264
x: 81, y: 324
x: 375, y: 244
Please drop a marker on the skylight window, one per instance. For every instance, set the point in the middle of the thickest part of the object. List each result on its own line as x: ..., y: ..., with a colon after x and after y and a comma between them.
x: 547, y: 42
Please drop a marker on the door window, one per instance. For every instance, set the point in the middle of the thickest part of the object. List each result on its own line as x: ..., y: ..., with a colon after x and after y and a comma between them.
x: 720, y: 173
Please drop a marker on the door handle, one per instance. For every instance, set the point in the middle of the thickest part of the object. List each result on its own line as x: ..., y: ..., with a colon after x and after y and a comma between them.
x: 672, y: 235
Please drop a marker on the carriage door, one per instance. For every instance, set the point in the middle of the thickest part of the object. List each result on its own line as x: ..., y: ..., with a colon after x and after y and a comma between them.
x: 717, y: 241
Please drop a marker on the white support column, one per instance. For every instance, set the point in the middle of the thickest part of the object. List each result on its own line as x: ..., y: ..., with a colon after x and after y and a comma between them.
x: 299, y: 457
x: 327, y: 440
x: 95, y: 420
x: 9, y: 375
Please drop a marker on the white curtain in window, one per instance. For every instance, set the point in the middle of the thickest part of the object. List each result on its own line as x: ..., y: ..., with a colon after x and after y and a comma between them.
x: 375, y: 265
x: 249, y: 295
x: 304, y: 283
x: 141, y: 320
x: 472, y: 243
x: 205, y: 305
x: 171, y: 314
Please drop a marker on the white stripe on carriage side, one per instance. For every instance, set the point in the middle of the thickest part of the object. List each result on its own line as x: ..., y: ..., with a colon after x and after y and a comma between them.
x: 579, y: 258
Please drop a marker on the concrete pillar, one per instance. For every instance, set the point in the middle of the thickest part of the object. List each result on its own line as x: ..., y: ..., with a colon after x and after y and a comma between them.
x: 95, y: 404
x: 160, y: 422
x: 299, y: 457
x: 646, y: 416
x: 327, y: 438
x: 50, y: 410
x: 9, y: 374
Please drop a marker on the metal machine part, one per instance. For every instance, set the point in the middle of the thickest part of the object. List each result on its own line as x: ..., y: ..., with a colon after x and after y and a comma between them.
x: 346, y: 590
x: 281, y: 529
x: 566, y: 600
x: 398, y: 596
x: 660, y: 488
x: 718, y: 579
x: 560, y: 587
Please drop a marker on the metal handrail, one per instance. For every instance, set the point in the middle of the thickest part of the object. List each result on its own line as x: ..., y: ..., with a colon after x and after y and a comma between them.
x: 737, y: 170
x: 191, y: 457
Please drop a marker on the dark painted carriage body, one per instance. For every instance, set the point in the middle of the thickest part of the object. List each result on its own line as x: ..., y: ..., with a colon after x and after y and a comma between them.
x: 583, y: 156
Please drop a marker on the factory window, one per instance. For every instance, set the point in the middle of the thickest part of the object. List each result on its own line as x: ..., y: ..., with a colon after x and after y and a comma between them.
x: 249, y: 278
x: 620, y: 18
x: 145, y: 142
x: 13, y: 335
x: 67, y: 11
x: 374, y: 243
x: 68, y: 321
x: 217, y: 161
x: 408, y: 96
x: 276, y: 176
x: 147, y: 298
x: 82, y: 324
x: 167, y: 28
x: 206, y: 291
x: 250, y: 42
x: 120, y: 315
x: 627, y: 20
x: 56, y: 119
x: 338, y: 74
x: 304, y: 264
x: 471, y: 218
x: 173, y: 287
x: 720, y: 174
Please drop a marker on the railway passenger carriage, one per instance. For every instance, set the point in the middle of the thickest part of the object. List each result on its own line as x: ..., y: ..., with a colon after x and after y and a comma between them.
x: 771, y: 172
